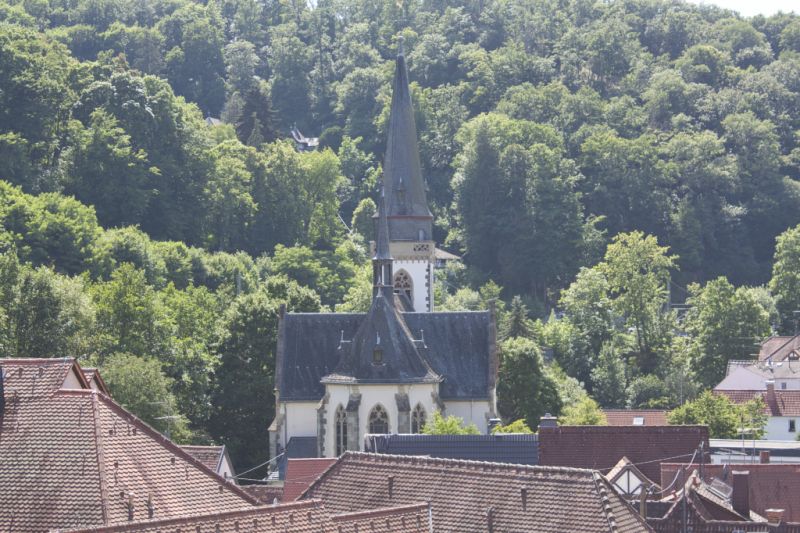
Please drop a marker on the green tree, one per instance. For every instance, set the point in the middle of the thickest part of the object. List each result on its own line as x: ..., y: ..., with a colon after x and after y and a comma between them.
x: 785, y: 282
x: 524, y: 391
x: 450, y: 425
x: 516, y: 322
x: 517, y: 426
x: 139, y: 385
x: 584, y: 413
x: 713, y: 410
x: 608, y: 377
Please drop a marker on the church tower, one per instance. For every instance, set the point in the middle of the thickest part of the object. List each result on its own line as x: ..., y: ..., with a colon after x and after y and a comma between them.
x: 409, y: 219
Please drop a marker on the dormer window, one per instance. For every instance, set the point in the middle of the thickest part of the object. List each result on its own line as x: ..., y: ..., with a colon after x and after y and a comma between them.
x: 377, y: 356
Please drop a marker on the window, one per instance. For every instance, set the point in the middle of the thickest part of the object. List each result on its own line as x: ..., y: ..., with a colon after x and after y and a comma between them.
x: 418, y: 419
x: 783, y: 385
x: 378, y: 420
x: 629, y: 483
x: 403, y: 284
x: 341, y: 430
x: 791, y: 426
x: 377, y: 356
x: 638, y: 420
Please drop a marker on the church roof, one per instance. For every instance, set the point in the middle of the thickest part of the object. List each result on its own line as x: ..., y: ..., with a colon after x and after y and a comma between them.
x: 382, y: 350
x: 405, y: 189
x: 459, y: 350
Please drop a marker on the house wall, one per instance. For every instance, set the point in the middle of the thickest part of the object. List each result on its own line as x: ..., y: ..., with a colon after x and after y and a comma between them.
x: 473, y: 411
x: 778, y: 428
x: 72, y: 381
x: 300, y: 421
x: 372, y: 395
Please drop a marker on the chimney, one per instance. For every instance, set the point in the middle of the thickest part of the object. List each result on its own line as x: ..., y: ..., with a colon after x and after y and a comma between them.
x: 763, y: 457
x: 391, y: 486
x: 774, y: 516
x: 524, y: 495
x: 548, y: 421
x: 770, y: 392
x: 741, y: 493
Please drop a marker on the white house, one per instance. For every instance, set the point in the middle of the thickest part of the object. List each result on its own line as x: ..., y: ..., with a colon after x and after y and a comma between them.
x: 340, y: 375
x: 782, y: 408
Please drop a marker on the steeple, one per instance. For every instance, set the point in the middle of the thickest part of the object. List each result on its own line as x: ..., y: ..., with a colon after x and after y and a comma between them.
x: 382, y: 275
x: 407, y: 206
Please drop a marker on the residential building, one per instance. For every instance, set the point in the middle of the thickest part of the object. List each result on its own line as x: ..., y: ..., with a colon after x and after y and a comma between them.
x: 300, y: 474
x: 70, y: 457
x: 340, y: 376
x: 781, y: 406
x: 214, y: 457
x: 473, y: 496
x: 515, y: 448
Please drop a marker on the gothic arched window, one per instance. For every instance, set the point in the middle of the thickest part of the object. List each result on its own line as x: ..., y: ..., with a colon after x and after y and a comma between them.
x: 340, y: 433
x: 378, y: 420
x: 403, y: 284
x: 418, y: 419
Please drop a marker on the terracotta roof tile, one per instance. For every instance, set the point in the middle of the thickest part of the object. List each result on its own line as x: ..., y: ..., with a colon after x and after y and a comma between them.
x: 785, y: 403
x: 466, y: 496
x: 601, y: 447
x: 35, y: 378
x: 74, y: 458
x: 300, y: 473
x: 308, y: 516
x: 626, y: 417
x: 208, y: 455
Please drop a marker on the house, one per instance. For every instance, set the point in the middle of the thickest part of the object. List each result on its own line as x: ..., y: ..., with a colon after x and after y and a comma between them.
x: 95, y: 381
x: 309, y: 516
x: 474, y: 496
x: 70, y: 457
x: 514, y: 448
x: 214, y: 457
x: 340, y: 376
x: 303, y: 143
x: 780, y: 348
x: 635, y: 417
x: 782, y: 409
x: 770, y: 485
x: 754, y: 376
x: 629, y: 481
x: 602, y: 447
x: 748, y: 450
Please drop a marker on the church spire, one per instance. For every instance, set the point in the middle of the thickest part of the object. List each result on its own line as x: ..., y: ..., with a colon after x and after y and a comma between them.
x: 406, y: 202
x: 382, y: 260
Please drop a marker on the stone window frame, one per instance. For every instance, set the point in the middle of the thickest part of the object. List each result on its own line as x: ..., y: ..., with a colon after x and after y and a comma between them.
x: 378, y: 415
x: 403, y: 283
x: 340, y: 430
x: 418, y: 418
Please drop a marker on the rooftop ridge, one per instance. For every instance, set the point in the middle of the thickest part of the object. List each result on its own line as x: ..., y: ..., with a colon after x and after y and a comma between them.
x: 380, y: 511
x: 245, y: 511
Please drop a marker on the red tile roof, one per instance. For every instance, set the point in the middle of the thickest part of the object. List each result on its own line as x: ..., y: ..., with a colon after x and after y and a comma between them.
x: 300, y: 473
x: 601, y: 447
x: 211, y: 456
x: 95, y: 380
x: 264, y: 493
x: 297, y: 517
x: 625, y: 417
x: 785, y: 402
x: 468, y: 496
x: 779, y: 348
x: 74, y: 458
x: 772, y: 485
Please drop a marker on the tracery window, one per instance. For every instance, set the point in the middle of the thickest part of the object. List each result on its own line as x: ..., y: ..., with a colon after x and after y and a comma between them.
x: 418, y: 419
x: 378, y: 420
x: 403, y: 284
x: 340, y: 421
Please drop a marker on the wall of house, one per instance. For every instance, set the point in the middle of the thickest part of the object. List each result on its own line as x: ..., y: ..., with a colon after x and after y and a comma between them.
x: 473, y: 411
x: 421, y: 273
x: 300, y: 421
x: 778, y: 428
x: 787, y: 384
x: 72, y: 381
x: 372, y: 395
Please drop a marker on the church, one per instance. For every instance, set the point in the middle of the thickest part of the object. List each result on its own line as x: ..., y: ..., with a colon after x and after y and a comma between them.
x: 340, y: 376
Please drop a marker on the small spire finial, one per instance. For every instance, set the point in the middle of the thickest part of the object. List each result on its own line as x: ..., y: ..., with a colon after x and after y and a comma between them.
x: 401, y: 46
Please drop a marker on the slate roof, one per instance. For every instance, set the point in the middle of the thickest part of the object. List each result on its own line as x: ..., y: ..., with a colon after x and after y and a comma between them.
x: 499, y: 448
x: 472, y: 496
x: 300, y: 473
x: 601, y: 447
x: 383, y: 330
x: 73, y: 458
x: 458, y: 349
x: 297, y: 517
x: 772, y: 486
x: 625, y: 417
x: 402, y: 174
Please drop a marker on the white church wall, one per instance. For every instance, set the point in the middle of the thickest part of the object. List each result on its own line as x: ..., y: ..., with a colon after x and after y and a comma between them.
x: 301, y: 419
x: 419, y: 272
x: 372, y: 395
x: 471, y: 411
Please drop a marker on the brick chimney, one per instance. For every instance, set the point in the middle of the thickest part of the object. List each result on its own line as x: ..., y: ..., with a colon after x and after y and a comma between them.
x: 763, y: 457
x: 771, y: 400
x: 548, y: 421
x: 740, y: 499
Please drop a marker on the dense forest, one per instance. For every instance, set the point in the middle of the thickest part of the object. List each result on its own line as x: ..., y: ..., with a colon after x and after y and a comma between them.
x: 594, y: 163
